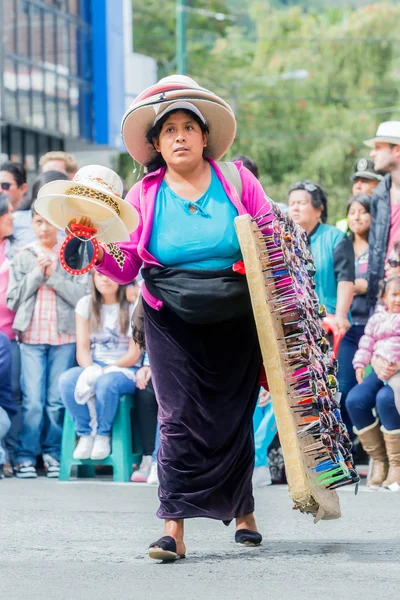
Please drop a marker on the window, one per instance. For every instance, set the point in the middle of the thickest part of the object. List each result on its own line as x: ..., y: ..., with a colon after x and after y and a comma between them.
x: 24, y: 93
x: 38, y: 104
x: 47, y: 66
x: 10, y: 90
x: 9, y: 26
x: 22, y: 27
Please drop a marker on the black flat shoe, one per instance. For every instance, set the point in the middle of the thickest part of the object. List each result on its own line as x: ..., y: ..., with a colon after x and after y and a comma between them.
x: 164, y: 549
x: 227, y: 523
x: 246, y: 537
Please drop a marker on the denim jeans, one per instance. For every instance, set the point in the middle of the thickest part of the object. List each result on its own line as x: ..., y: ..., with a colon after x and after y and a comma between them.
x: 42, y: 408
x: 373, y: 393
x: 346, y: 374
x: 12, y: 436
x: 265, y: 429
x: 5, y: 424
x: 108, y: 388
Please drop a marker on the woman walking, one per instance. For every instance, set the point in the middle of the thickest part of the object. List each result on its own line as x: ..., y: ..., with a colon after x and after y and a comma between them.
x: 199, y: 327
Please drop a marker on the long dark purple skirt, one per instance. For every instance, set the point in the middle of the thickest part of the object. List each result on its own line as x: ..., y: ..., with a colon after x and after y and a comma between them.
x: 206, y: 382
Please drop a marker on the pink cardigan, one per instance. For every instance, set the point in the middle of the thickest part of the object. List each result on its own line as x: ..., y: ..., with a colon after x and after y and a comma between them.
x: 143, y: 197
x: 381, y: 338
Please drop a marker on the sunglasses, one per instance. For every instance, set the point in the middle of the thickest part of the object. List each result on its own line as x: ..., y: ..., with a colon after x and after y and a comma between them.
x: 309, y: 187
x: 5, y: 186
x: 393, y: 262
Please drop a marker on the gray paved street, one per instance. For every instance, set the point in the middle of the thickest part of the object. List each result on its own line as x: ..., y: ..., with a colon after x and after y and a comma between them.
x: 84, y: 540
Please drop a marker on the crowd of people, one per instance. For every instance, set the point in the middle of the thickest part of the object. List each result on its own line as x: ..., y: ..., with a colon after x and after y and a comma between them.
x: 66, y: 342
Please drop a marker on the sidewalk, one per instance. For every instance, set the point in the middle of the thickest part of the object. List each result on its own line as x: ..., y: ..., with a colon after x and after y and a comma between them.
x: 87, y: 540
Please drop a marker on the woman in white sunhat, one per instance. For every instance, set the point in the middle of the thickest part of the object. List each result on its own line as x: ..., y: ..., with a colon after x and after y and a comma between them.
x: 198, y: 323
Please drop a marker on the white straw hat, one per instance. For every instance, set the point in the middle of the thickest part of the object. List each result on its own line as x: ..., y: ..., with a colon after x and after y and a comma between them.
x: 179, y: 89
x: 388, y: 132
x: 94, y: 192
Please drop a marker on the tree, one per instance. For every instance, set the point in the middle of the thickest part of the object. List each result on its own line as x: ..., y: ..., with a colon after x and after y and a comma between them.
x: 154, y: 31
x: 307, y: 87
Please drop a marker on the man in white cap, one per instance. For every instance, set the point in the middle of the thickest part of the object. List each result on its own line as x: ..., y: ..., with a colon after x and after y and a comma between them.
x: 385, y: 214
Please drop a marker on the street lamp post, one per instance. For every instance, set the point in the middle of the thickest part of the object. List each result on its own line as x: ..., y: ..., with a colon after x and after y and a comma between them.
x: 181, y: 52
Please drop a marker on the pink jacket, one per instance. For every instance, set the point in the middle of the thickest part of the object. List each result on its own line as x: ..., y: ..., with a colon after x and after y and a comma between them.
x: 143, y: 196
x: 381, y: 338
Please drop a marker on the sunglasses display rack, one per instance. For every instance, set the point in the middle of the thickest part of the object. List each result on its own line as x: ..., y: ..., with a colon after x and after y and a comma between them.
x: 299, y: 364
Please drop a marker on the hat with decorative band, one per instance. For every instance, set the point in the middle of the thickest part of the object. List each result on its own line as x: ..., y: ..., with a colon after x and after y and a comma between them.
x: 94, y: 192
x: 170, y: 93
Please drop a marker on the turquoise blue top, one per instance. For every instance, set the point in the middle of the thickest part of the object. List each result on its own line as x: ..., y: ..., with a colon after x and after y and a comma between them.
x: 205, y: 239
x: 322, y: 245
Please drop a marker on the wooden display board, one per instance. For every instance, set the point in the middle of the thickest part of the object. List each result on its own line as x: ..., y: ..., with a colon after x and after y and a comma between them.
x: 306, y: 495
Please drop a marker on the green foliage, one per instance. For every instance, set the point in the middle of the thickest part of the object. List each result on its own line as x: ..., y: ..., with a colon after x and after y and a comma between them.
x: 154, y: 31
x: 307, y: 87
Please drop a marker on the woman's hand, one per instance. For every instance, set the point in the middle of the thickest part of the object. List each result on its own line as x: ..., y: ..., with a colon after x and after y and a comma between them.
x: 342, y: 324
x: 86, y: 222
x: 360, y: 286
x: 384, y: 370
x: 143, y: 377
x: 360, y: 373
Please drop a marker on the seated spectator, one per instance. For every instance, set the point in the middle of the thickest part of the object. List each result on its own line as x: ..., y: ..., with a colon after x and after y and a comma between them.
x: 107, y: 357
x: 146, y: 412
x: 7, y: 251
x: 132, y: 292
x: 13, y: 183
x: 264, y: 432
x: 59, y: 161
x: 380, y: 346
x: 43, y: 296
x: 7, y: 408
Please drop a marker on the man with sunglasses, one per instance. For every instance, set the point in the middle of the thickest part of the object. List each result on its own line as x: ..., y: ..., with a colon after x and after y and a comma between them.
x: 13, y: 183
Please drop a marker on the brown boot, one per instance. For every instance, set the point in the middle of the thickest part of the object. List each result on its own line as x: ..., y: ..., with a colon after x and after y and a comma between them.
x: 392, y: 441
x: 372, y: 441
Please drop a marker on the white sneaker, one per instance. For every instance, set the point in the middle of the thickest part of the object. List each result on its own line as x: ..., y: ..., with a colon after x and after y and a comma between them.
x: 141, y: 475
x: 261, y: 477
x: 84, y: 447
x: 51, y: 466
x: 101, y: 447
x: 153, y: 477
